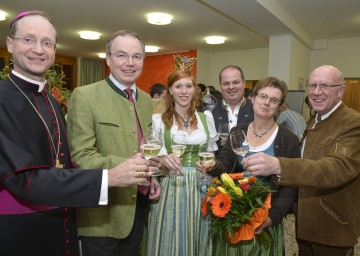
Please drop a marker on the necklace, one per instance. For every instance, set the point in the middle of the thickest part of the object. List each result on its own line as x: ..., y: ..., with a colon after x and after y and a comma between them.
x: 186, y: 123
x: 264, y: 133
x: 56, y: 150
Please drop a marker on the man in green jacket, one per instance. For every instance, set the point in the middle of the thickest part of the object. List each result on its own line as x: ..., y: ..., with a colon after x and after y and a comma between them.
x: 328, y: 176
x: 113, y: 110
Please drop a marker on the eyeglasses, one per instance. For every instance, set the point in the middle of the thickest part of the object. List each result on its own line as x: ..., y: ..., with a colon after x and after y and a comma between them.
x: 323, y: 87
x: 32, y: 42
x: 265, y: 97
x: 124, y: 57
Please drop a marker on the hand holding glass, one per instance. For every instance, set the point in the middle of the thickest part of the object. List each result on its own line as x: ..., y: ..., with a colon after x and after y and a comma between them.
x: 240, y: 146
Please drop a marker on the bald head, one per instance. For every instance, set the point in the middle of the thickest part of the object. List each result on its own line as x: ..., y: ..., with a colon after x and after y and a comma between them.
x: 326, y: 88
x: 328, y: 73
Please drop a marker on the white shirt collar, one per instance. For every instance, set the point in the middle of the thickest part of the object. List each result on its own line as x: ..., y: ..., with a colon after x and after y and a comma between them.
x: 40, y: 84
x: 323, y: 117
x: 228, y: 106
x: 121, y: 86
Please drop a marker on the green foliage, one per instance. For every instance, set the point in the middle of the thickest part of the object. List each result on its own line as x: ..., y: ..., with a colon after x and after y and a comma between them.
x: 5, y: 72
x: 242, y: 208
x: 231, y: 201
x: 54, y: 77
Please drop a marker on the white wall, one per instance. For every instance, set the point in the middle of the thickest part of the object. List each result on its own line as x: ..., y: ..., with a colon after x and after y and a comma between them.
x: 254, y: 63
x: 299, y: 62
x: 342, y: 53
x: 279, y: 57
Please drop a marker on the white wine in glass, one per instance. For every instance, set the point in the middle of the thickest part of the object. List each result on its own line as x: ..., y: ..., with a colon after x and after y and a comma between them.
x: 241, y: 151
x: 240, y: 146
x: 178, y: 150
x: 206, y: 157
x: 223, y: 131
x: 150, y: 150
x: 178, y: 147
x: 150, y: 147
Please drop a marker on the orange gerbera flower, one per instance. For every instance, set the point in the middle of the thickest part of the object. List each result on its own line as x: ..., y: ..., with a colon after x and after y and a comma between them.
x: 235, y: 176
x: 221, y: 205
x: 204, y: 207
x: 252, y: 179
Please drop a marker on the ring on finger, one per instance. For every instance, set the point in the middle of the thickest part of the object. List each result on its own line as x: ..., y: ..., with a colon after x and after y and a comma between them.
x: 141, y: 174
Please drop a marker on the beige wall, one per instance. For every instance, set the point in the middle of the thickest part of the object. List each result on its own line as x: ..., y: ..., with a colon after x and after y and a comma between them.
x: 342, y: 53
x: 299, y: 62
x: 253, y: 62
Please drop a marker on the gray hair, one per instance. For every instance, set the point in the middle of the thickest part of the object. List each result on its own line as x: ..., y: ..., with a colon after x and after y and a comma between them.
x: 123, y: 33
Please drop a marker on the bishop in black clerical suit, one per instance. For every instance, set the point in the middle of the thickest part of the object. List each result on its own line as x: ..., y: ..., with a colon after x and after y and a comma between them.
x: 34, y: 193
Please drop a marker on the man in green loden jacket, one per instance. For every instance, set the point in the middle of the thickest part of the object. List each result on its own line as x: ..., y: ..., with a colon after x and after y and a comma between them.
x: 105, y: 124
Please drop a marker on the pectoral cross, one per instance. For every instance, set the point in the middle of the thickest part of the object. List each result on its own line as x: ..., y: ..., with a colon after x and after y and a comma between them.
x: 58, y: 164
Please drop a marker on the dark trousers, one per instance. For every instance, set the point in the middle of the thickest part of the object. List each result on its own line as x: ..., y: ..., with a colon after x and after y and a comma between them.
x: 307, y: 248
x: 129, y: 246
x: 51, y: 232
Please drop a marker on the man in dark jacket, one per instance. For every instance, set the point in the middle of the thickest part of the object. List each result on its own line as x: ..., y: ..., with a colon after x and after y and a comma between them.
x: 234, y: 109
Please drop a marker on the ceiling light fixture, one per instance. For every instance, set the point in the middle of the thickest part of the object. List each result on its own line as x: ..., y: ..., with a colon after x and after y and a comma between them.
x: 215, y: 39
x: 102, y: 55
x: 2, y: 15
x: 89, y: 35
x: 151, y: 48
x: 159, y: 18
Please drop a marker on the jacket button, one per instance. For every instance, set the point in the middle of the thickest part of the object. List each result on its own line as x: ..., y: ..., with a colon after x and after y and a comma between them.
x: 133, y: 197
x: 135, y: 152
x: 132, y: 109
x: 133, y: 131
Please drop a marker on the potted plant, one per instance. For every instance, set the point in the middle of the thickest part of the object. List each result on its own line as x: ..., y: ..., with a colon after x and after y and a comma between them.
x: 54, y: 84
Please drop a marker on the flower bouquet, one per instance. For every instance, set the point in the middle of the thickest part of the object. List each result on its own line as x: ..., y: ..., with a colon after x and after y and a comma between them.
x: 237, y: 206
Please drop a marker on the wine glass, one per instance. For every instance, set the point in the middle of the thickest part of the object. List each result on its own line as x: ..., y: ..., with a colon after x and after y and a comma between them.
x: 205, y: 156
x: 150, y: 147
x: 178, y: 146
x: 223, y: 131
x: 209, y: 101
x: 240, y: 146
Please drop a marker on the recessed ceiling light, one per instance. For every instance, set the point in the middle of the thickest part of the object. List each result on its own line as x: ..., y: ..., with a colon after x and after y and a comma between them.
x: 89, y: 35
x: 2, y: 15
x: 102, y: 55
x: 215, y: 39
x: 159, y: 18
x: 151, y: 48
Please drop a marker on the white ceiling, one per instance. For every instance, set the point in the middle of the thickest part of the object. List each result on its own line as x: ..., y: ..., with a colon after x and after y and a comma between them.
x: 245, y: 23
